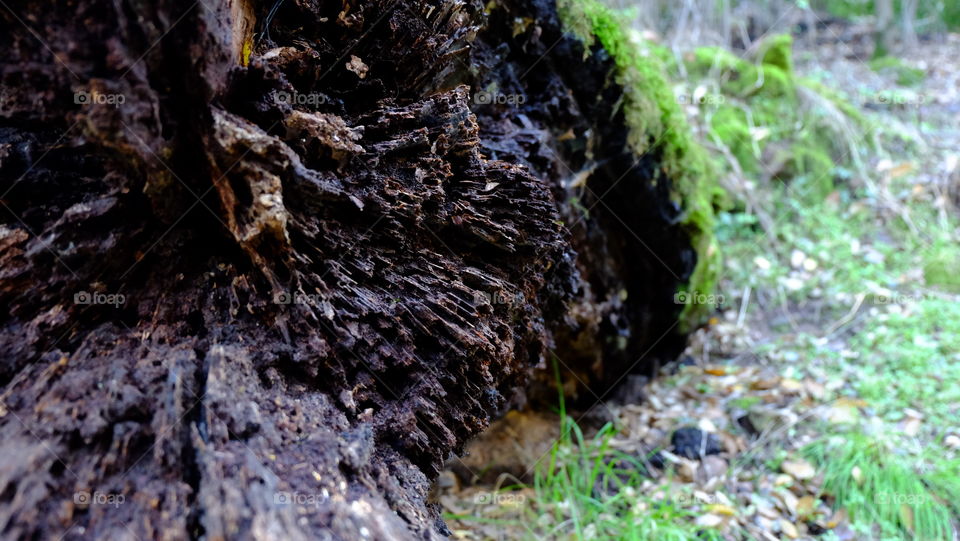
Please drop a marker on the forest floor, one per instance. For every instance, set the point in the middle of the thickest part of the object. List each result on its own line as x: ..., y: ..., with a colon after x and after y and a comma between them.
x: 821, y: 401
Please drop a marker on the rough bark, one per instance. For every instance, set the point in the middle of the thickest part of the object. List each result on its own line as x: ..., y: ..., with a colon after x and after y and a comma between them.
x: 273, y: 290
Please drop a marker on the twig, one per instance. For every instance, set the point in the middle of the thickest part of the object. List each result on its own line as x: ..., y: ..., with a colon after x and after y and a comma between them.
x: 743, y: 306
x: 847, y: 318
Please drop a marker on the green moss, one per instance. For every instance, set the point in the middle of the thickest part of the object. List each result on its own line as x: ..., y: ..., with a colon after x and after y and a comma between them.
x: 657, y: 124
x: 777, y: 51
x: 770, y: 75
x: 811, y: 168
x: 940, y: 269
x: 775, y: 124
x: 730, y: 127
x: 906, y: 75
x: 841, y: 102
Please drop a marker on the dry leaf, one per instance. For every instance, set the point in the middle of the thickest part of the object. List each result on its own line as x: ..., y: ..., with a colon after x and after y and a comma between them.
x: 799, y: 469
x: 906, y: 516
x: 764, y: 384
x: 789, y: 529
x: 838, y: 518
x: 911, y: 426
x: 806, y: 506
x: 721, y: 509
x: 791, y: 385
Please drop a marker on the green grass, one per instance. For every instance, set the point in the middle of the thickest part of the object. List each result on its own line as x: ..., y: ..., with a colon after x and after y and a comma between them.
x: 888, y: 495
x: 592, y: 493
x: 901, y: 354
x: 584, y: 489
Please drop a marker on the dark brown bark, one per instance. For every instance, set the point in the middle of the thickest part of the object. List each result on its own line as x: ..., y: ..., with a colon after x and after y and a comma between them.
x: 315, y: 274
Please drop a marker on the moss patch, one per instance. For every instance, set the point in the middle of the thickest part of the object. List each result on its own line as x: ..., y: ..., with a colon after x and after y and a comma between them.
x: 904, y: 74
x: 776, y: 125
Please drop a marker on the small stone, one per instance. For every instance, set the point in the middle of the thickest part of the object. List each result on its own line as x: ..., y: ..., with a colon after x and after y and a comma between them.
x: 687, y: 471
x: 712, y: 467
x: 952, y: 441
x: 797, y: 258
x: 690, y: 441
x: 709, y: 520
x: 447, y: 480
x: 793, y: 284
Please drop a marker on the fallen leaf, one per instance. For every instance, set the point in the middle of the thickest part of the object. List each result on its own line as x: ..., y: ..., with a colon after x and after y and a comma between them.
x: 799, y: 469
x: 911, y: 427
x: 843, y: 413
x: 839, y: 517
x: 721, y: 509
x: 906, y: 516
x: 789, y: 529
x: 788, y: 501
x: 783, y: 480
x: 791, y: 385
x: 806, y: 506
x: 764, y: 384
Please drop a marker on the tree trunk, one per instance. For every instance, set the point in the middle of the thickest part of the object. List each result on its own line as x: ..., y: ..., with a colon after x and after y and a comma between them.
x: 883, y: 40
x: 261, y: 281
x: 908, y: 19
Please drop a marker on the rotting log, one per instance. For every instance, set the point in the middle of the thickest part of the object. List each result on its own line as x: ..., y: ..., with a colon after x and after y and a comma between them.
x: 261, y: 281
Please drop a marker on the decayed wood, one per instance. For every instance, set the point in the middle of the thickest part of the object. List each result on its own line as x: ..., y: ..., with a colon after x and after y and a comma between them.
x: 263, y: 284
